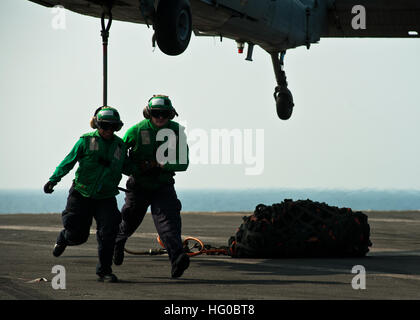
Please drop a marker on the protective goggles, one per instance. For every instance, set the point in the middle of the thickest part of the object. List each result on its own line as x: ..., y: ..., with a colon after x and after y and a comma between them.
x: 105, y: 125
x: 159, y: 113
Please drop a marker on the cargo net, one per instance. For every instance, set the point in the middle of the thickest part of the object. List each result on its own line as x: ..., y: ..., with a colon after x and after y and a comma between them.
x: 301, y: 228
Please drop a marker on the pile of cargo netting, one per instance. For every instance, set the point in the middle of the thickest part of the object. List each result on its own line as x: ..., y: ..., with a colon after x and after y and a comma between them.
x: 301, y: 228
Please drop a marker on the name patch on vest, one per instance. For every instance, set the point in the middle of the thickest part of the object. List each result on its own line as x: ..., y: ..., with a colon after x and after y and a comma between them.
x: 145, y: 137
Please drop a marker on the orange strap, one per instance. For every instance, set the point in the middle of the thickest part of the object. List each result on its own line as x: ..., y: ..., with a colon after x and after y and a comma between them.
x: 202, y: 249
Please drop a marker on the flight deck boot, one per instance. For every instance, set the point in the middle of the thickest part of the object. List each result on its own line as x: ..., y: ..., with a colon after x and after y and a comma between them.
x: 110, y: 277
x: 60, y: 245
x: 59, y: 249
x: 180, y: 265
x: 119, y: 252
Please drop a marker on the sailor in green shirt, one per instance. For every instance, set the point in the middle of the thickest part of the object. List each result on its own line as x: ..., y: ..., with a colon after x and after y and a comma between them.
x: 157, y: 149
x: 102, y: 157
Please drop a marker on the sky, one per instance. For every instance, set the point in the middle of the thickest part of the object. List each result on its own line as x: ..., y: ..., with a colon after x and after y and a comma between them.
x: 354, y: 126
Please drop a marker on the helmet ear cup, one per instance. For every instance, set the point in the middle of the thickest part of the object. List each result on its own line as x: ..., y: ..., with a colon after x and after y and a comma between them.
x: 171, y: 114
x: 93, y: 123
x: 146, y: 112
x: 119, y: 127
x: 94, y: 120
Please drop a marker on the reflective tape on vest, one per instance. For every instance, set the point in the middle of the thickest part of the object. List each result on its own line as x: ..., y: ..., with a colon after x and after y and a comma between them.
x: 93, y: 144
x: 145, y: 137
x: 117, y: 153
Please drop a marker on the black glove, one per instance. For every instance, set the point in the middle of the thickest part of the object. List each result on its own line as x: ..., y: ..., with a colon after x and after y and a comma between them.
x: 48, y: 188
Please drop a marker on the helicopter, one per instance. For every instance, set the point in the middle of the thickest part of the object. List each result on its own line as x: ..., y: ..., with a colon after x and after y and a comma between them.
x: 274, y: 25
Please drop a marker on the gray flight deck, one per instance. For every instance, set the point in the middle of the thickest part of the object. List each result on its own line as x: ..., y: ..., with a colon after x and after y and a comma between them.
x: 26, y: 241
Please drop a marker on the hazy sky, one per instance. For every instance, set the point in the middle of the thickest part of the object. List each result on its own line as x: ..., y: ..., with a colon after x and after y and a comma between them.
x: 355, y: 123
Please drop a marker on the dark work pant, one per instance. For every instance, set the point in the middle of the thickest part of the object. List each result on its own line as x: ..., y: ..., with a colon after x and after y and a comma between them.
x: 77, y: 220
x: 165, y: 208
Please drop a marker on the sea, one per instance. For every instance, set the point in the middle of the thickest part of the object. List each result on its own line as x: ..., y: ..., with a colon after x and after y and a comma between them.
x: 237, y: 200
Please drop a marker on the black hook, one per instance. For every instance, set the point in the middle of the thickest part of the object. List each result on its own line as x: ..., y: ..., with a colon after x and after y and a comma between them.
x: 105, y: 29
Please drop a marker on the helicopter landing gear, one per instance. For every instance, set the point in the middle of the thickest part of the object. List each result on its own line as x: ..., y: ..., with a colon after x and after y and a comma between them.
x: 173, y: 26
x: 282, y: 95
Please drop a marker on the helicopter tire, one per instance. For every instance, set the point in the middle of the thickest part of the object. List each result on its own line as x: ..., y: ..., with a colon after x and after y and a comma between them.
x: 173, y: 26
x: 284, y: 103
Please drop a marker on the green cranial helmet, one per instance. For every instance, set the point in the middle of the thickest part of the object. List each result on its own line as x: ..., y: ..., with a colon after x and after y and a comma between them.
x: 108, y: 114
x: 160, y: 102
x: 107, y: 117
